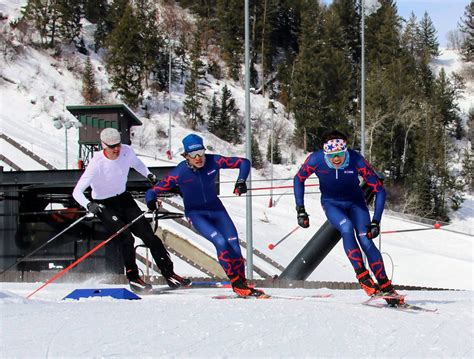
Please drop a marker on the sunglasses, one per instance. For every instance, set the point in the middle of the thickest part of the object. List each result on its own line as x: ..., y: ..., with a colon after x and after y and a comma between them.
x: 197, y: 153
x: 335, y: 154
x: 113, y: 146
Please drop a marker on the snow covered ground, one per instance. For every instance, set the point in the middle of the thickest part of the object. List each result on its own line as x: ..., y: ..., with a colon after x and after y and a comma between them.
x: 190, y: 323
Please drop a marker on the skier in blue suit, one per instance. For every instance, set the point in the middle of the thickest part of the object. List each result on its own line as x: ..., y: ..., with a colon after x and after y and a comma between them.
x: 338, y: 169
x: 195, y: 178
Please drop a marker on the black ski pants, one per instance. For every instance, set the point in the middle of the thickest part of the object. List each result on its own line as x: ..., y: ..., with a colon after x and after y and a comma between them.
x: 122, y: 209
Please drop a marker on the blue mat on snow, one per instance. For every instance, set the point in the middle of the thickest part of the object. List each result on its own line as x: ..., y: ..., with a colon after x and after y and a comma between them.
x: 117, y: 293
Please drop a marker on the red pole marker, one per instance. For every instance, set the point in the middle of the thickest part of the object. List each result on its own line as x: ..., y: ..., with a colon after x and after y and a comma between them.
x: 272, y: 246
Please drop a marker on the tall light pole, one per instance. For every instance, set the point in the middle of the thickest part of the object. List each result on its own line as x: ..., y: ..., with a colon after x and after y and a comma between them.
x: 362, y: 81
x: 248, y: 145
x: 367, y: 7
x: 59, y: 123
x: 271, y: 105
x: 169, y: 153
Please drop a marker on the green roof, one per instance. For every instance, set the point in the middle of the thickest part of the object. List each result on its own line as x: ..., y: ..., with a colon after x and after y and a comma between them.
x: 82, y: 109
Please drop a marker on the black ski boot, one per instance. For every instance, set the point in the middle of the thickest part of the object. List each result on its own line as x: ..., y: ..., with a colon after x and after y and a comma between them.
x: 366, y: 282
x: 176, y: 281
x: 137, y: 284
x: 242, y: 290
x: 387, y: 290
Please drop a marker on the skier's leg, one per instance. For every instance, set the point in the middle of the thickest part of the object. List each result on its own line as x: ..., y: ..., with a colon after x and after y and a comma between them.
x: 361, y: 218
x: 336, y: 214
x: 224, y: 225
x: 204, y: 225
x: 112, y: 221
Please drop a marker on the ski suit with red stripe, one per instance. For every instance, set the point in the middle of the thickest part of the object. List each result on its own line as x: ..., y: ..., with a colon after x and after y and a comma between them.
x: 344, y: 204
x: 204, y: 209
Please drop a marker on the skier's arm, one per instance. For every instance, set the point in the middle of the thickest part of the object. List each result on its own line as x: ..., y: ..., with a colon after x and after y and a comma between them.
x: 167, y: 184
x: 306, y: 170
x: 241, y: 163
x: 82, y: 184
x: 138, y: 164
x: 372, y: 180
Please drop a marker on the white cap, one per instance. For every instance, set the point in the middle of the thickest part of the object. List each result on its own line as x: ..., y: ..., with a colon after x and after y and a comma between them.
x: 110, y: 136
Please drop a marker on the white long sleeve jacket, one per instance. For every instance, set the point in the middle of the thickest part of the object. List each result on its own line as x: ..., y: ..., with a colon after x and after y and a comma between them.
x: 106, y: 177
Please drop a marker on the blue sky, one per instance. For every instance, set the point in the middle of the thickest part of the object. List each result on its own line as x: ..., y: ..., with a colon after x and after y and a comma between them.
x: 445, y: 14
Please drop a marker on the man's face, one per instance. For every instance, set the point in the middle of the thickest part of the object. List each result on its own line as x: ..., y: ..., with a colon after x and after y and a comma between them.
x: 337, y: 158
x: 113, y: 151
x: 196, y: 158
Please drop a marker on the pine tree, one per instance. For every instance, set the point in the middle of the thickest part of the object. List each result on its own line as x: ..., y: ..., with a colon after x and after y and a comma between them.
x: 467, y: 27
x: 152, y: 44
x: 69, y: 26
x: 323, y: 90
x: 226, y: 124
x: 90, y: 93
x: 124, y: 58
x: 109, y: 16
x: 382, y: 37
x: 54, y: 20
x: 446, y: 95
x: 213, y: 113
x: 94, y: 10
x: 192, y: 103
x: 39, y: 13
x: 230, y: 18
x: 410, y: 35
x: 306, y: 91
x: 350, y: 19
x: 428, y: 43
x: 257, y: 159
x: 277, y: 158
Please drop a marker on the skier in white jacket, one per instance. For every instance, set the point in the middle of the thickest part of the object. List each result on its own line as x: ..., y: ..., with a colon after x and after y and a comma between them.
x: 107, y: 175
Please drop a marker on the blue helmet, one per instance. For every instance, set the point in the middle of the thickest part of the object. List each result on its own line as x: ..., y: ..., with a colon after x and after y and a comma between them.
x: 192, y: 143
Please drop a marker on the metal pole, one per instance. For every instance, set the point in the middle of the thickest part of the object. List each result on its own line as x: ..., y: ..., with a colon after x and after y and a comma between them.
x: 248, y: 144
x: 65, y: 134
x: 362, y: 93
x: 362, y: 82
x: 169, y: 105
x: 271, y: 157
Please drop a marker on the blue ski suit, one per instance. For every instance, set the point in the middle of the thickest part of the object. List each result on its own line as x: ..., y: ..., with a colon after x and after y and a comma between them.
x: 204, y: 209
x: 344, y: 205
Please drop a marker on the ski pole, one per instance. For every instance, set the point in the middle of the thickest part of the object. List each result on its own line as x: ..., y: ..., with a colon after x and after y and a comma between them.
x: 44, y: 244
x: 79, y: 260
x: 435, y: 226
x: 271, y: 246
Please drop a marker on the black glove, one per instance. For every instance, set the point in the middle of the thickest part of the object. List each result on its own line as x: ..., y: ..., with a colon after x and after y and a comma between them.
x: 240, y: 187
x: 95, y: 208
x: 303, y: 218
x: 152, y: 178
x: 373, y: 229
x: 152, y: 205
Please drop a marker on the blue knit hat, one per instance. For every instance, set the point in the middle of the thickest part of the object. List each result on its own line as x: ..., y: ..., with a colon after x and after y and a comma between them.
x: 192, y: 143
